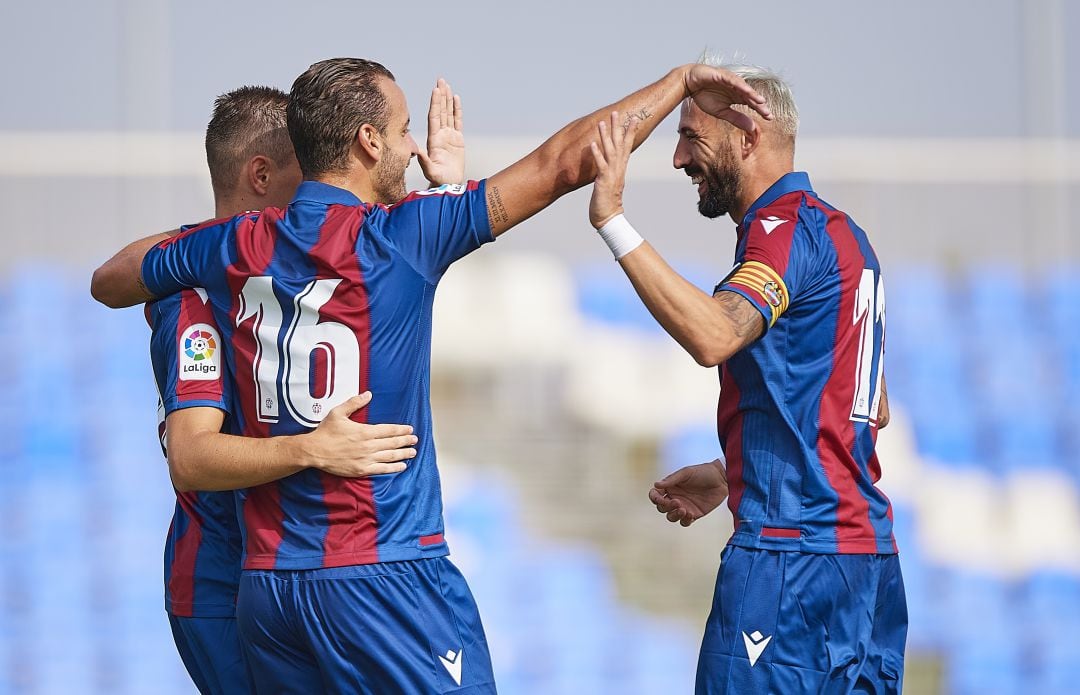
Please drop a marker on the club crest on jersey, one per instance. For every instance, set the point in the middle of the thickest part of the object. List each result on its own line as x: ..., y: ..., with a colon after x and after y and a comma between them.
x: 447, y: 188
x: 772, y: 291
x: 200, y: 358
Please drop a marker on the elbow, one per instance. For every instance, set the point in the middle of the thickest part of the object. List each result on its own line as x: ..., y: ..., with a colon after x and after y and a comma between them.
x: 707, y: 358
x: 180, y: 472
x: 99, y: 288
x: 710, y: 352
x: 103, y: 289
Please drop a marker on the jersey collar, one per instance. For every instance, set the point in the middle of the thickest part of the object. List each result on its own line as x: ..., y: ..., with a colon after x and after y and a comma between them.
x: 318, y: 192
x: 788, y: 183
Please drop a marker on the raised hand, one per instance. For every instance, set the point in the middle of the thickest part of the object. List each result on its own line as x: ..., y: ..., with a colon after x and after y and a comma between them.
x: 612, y: 152
x: 691, y: 492
x: 341, y: 446
x: 444, y: 161
x: 716, y: 90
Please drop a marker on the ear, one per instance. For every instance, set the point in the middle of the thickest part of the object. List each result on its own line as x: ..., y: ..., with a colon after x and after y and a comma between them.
x: 749, y: 140
x: 369, y: 141
x: 259, y: 171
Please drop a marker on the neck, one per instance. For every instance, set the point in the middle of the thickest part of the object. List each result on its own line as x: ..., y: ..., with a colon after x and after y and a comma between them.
x: 757, y: 182
x: 356, y: 182
x: 229, y: 206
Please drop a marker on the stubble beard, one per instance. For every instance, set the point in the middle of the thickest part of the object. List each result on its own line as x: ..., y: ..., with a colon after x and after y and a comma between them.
x: 723, y: 182
x: 389, y: 178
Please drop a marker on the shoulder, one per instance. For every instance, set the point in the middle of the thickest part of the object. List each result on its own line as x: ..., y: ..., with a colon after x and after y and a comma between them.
x: 220, y: 225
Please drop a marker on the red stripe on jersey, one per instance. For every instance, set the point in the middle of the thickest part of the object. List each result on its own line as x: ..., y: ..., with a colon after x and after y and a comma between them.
x: 433, y: 539
x: 352, y: 530
x: 263, y: 515
x: 729, y: 424
x: 192, y: 311
x: 773, y: 532
x: 185, y: 553
x: 836, y: 439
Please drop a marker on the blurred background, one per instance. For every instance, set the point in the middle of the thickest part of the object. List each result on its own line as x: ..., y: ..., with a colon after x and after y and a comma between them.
x: 949, y: 131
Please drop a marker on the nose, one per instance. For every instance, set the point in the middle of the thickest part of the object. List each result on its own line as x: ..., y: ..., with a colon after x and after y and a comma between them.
x: 414, y: 149
x: 681, y: 160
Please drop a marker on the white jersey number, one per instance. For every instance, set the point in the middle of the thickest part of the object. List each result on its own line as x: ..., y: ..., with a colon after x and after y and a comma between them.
x: 869, y: 312
x: 305, y: 340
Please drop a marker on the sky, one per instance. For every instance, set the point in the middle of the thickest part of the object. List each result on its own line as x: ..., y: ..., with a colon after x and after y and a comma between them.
x: 918, y: 68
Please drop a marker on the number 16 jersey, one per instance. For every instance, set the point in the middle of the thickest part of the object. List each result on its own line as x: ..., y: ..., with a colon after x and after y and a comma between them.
x: 317, y: 303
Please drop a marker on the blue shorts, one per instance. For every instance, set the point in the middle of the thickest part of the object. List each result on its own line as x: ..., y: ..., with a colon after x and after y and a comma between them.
x: 789, y: 622
x: 394, y: 627
x: 210, y: 650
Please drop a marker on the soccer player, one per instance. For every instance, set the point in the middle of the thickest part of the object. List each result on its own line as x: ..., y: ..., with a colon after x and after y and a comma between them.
x: 252, y: 166
x: 346, y: 582
x: 809, y: 596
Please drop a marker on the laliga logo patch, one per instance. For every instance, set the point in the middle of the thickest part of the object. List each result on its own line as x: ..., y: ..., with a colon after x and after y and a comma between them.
x: 772, y: 293
x: 200, y: 359
x: 447, y: 188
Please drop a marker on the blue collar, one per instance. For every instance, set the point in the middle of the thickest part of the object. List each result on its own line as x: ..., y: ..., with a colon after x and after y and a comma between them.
x: 324, y: 193
x: 788, y: 183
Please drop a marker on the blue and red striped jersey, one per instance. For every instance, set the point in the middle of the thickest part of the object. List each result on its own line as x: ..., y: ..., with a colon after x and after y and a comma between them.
x: 318, y: 302
x: 203, y: 547
x: 798, y: 407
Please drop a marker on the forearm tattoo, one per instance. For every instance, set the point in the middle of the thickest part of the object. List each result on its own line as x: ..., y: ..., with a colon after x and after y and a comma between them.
x: 496, y: 208
x: 643, y: 114
x: 745, y: 319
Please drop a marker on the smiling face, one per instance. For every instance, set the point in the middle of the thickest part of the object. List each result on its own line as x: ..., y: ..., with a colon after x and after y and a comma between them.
x: 388, y: 176
x: 707, y: 153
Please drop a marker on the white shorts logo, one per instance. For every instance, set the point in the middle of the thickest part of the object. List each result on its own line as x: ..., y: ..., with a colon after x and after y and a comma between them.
x: 200, y: 353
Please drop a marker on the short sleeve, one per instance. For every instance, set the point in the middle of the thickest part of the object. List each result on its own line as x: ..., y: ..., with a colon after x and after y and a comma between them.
x: 771, y: 263
x: 188, y: 259
x: 186, y: 353
x: 432, y: 229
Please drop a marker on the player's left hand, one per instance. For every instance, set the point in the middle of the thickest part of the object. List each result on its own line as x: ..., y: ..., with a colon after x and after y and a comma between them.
x: 444, y: 160
x: 611, y: 152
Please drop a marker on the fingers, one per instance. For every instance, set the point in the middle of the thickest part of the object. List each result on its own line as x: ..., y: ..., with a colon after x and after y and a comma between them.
x: 386, y: 431
x: 457, y: 112
x: 392, y: 443
x: 395, y: 455
x: 598, y: 157
x: 350, y: 406
x: 382, y: 469
x: 435, y: 110
x: 605, y: 135
x: 739, y: 119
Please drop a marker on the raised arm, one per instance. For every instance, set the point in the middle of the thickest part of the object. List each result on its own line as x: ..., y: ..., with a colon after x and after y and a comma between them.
x: 564, y: 163
x: 710, y: 328
x: 118, y: 282
x: 201, y: 457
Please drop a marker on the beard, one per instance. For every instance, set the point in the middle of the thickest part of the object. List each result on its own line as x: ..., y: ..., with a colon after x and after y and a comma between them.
x: 723, y: 182
x: 388, y: 179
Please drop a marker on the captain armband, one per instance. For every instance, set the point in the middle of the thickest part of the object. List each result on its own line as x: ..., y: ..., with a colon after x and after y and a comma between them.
x: 763, y: 284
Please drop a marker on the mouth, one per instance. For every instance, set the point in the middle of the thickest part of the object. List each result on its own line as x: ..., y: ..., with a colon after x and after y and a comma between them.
x: 698, y: 179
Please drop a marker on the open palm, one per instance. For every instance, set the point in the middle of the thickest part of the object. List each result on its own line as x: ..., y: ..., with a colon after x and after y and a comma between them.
x: 444, y: 161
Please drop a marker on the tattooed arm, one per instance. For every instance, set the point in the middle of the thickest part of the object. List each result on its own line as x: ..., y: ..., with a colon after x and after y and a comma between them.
x: 565, y: 162
x: 711, y: 329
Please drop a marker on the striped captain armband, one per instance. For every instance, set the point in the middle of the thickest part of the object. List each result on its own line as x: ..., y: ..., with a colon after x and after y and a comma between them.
x: 762, y: 285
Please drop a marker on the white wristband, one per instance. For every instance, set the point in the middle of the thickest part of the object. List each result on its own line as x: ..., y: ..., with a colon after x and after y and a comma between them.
x: 620, y: 236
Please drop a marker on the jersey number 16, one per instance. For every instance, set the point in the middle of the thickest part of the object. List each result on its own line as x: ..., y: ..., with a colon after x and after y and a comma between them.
x: 307, y: 341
